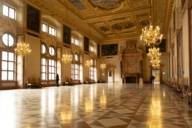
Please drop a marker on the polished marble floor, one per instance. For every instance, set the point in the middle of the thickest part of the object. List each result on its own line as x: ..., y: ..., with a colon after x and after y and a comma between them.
x: 94, y: 106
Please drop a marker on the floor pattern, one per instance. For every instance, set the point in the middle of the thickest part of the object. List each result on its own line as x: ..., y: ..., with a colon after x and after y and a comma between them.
x: 94, y: 106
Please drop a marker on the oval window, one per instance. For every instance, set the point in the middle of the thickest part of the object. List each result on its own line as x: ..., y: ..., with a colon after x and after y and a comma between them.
x: 43, y: 49
x: 51, y: 51
x: 8, y: 39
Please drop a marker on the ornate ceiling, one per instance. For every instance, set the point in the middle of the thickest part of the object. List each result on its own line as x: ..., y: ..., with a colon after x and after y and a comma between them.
x: 117, y: 19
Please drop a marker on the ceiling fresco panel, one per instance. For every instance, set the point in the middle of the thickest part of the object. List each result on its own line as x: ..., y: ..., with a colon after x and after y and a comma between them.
x: 78, y: 4
x: 113, y: 18
x: 106, y: 4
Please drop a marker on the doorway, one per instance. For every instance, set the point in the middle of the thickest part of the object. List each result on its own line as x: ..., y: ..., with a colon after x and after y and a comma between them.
x: 110, y: 77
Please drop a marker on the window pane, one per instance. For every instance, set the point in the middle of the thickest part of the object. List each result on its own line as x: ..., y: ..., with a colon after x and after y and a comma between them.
x: 11, y: 66
x: 44, y: 27
x: 5, y: 10
x: 4, y: 65
x: 5, y: 39
x: 76, y: 66
x: 76, y: 71
x: 54, y: 32
x: 49, y: 76
x: 76, y: 57
x: 4, y: 55
x: 50, y: 62
x: 51, y: 51
x: 53, y: 69
x: 43, y: 69
x: 10, y: 76
x: 43, y: 76
x: 43, y: 49
x: 76, y: 77
x: 53, y: 76
x: 50, y: 69
x: 11, y: 40
x: 43, y: 61
x: 11, y: 13
x: 4, y: 75
x: 50, y: 29
x: 11, y: 56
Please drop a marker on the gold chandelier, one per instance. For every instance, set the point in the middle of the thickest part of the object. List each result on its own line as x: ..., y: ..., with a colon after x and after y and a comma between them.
x: 155, y: 63
x: 154, y: 54
x: 150, y: 35
x: 66, y: 58
x: 23, y: 49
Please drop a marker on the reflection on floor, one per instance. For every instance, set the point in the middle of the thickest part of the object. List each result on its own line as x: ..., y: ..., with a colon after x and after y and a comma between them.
x: 94, y: 106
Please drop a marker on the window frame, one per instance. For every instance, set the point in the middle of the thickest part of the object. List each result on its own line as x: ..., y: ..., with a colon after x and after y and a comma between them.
x: 46, y: 50
x: 8, y: 11
x: 75, y: 71
x: 53, y: 50
x: 44, y: 72
x: 9, y: 34
x: 51, y: 66
x: 7, y: 70
x: 50, y: 29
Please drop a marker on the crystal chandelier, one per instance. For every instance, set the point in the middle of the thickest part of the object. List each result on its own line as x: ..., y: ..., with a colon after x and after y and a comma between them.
x: 154, y: 54
x: 23, y: 49
x: 66, y: 58
x: 150, y: 35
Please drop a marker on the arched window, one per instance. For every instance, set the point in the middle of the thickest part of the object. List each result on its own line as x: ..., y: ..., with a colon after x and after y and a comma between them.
x: 8, y: 59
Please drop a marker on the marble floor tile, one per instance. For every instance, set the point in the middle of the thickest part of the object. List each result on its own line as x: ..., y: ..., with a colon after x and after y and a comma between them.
x: 94, y: 106
x: 112, y: 122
